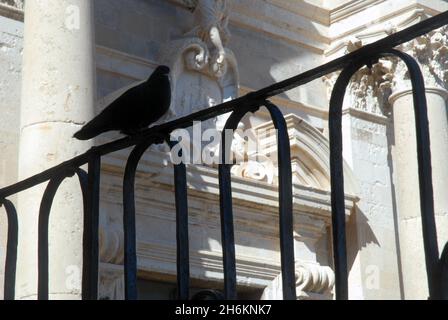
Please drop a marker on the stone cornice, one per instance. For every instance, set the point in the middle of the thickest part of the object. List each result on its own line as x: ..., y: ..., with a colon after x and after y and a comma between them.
x: 276, y: 19
x: 349, y: 8
x: 316, y: 27
x: 315, y: 36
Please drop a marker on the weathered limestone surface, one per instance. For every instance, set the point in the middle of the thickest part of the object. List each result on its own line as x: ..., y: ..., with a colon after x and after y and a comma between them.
x: 408, y: 185
x: 57, y: 98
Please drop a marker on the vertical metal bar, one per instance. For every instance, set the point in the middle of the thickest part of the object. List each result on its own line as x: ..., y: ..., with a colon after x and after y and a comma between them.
x: 226, y: 208
x: 337, y: 181
x: 182, y: 241
x: 443, y: 267
x: 11, y: 251
x: 91, y: 226
x: 227, y: 232
x: 285, y: 203
x: 424, y: 173
x: 130, y: 250
x: 44, y: 217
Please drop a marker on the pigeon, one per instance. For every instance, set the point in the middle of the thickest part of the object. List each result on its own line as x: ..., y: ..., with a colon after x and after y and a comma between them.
x: 135, y: 109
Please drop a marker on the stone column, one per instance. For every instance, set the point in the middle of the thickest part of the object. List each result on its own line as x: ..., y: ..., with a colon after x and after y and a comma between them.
x: 407, y: 184
x: 58, y: 97
x: 430, y: 51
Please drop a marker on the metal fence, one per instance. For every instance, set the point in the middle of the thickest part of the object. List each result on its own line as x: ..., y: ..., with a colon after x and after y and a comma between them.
x: 90, y: 184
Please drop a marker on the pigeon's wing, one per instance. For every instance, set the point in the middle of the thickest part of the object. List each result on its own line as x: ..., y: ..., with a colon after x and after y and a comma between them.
x: 157, y: 94
x: 114, y: 117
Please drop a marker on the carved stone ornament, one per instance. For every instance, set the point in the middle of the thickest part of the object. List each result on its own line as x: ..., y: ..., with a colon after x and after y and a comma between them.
x: 312, y: 282
x: 313, y: 279
x: 211, y: 26
x: 204, y: 73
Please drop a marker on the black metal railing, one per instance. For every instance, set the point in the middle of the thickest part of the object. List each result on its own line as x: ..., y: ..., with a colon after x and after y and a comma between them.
x: 90, y: 186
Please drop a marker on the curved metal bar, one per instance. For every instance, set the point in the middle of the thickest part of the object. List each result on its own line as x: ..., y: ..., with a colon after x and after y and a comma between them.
x: 130, y: 251
x: 44, y: 217
x: 424, y: 167
x: 337, y: 181
x: 182, y: 241
x: 285, y: 203
x: 11, y: 250
x: 424, y: 173
x: 226, y: 209
x: 130, y: 247
x: 90, y: 186
x: 86, y: 265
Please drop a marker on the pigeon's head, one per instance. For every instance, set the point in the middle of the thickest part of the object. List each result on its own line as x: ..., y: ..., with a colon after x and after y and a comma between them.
x: 162, y: 70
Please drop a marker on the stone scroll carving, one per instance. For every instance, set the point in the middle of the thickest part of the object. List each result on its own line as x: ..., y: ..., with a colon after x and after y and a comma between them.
x: 204, y: 72
x: 312, y: 282
x: 212, y: 18
x: 313, y: 279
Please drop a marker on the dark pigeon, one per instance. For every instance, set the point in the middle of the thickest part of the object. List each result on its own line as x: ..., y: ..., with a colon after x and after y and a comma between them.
x: 134, y: 110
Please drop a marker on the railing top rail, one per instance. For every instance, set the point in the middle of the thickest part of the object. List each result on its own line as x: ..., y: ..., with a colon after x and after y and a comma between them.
x: 253, y: 99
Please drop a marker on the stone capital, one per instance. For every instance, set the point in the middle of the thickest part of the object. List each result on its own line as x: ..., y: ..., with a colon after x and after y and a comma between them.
x: 372, y: 89
x: 397, y: 94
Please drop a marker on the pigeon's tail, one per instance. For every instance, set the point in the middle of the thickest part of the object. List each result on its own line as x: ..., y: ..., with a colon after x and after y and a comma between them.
x: 84, y: 134
x: 91, y: 130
